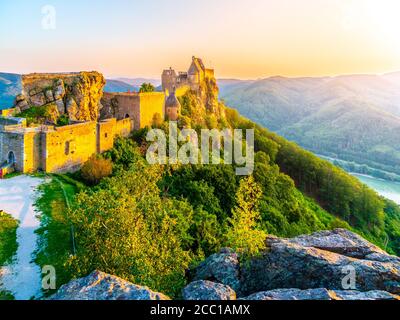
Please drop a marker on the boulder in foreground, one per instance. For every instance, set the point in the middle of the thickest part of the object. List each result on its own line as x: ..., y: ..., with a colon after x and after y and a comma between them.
x: 321, y: 294
x: 207, y: 290
x: 319, y: 260
x: 102, y: 286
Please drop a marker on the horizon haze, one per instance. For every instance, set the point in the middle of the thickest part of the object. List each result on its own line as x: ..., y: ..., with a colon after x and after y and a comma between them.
x: 240, y: 39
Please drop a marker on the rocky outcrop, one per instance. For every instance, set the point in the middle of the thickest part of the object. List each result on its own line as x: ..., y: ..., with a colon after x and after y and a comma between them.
x: 312, y: 267
x: 101, y: 286
x: 207, y: 290
x: 221, y: 267
x: 208, y: 92
x: 340, y: 241
x: 75, y: 94
x: 369, y: 295
x: 292, y: 294
x: 320, y: 294
x: 291, y: 265
x: 321, y: 260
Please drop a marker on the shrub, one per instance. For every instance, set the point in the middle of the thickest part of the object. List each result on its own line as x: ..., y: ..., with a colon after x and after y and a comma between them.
x: 147, y: 87
x: 63, y: 120
x: 243, y: 234
x: 8, y: 237
x: 95, y: 169
x: 157, y: 120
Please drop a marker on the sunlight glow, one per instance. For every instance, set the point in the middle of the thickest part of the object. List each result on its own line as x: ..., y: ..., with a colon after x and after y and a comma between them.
x: 379, y: 18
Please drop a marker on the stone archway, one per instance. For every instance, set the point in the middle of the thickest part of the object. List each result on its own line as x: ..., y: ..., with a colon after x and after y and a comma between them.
x: 11, y: 158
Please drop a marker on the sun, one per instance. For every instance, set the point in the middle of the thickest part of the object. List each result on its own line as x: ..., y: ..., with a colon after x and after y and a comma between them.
x: 384, y: 19
x: 378, y: 20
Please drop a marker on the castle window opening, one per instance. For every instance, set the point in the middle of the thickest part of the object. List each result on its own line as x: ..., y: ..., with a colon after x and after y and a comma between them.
x: 67, y: 148
x: 11, y: 157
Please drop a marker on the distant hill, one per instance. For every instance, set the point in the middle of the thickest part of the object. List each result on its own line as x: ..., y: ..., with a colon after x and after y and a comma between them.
x: 137, y: 82
x: 10, y: 86
x: 119, y: 86
x: 355, y: 117
x: 133, y: 84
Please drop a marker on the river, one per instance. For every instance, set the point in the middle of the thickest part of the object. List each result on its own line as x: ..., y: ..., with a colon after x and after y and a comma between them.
x: 388, y: 189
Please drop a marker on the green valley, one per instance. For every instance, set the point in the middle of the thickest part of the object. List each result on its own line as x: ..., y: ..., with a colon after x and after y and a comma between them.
x: 355, y: 118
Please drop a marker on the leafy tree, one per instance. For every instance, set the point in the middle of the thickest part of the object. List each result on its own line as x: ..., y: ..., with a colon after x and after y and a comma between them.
x: 63, y: 120
x: 266, y: 145
x: 206, y: 231
x: 211, y: 121
x: 147, y: 87
x: 243, y: 234
x: 212, y: 186
x: 392, y: 227
x: 157, y: 120
x: 125, y: 228
x: 95, y: 169
x: 8, y: 237
x: 124, y: 154
x: 184, y: 122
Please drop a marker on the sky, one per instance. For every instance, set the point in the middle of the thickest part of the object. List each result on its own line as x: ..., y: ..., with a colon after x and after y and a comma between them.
x: 244, y: 39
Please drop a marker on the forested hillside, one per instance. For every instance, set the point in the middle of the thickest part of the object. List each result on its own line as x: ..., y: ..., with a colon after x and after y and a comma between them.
x: 150, y: 223
x: 354, y: 118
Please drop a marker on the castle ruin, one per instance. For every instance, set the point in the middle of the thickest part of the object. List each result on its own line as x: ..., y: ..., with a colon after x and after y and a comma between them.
x: 189, y: 80
x: 95, y: 118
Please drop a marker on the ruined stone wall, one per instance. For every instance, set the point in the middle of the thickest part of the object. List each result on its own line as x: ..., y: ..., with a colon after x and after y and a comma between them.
x: 105, y: 134
x: 59, y: 149
x: 12, y: 142
x: 109, y: 129
x: 124, y: 127
x: 67, y: 148
x: 139, y: 107
x: 150, y: 104
x: 33, y: 153
x: 121, y: 106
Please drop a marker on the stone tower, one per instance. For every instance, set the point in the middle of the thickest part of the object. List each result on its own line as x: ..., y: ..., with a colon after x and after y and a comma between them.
x: 172, y: 107
x: 169, y: 79
x: 196, y: 72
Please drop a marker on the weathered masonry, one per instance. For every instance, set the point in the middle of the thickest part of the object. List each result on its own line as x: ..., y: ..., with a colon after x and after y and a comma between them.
x: 139, y: 107
x: 56, y: 149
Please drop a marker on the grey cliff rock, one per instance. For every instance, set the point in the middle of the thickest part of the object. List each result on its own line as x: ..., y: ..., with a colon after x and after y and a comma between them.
x: 207, y: 290
x: 221, y: 267
x: 101, y: 286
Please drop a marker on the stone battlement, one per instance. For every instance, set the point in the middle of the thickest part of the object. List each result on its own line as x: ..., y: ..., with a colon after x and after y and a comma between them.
x: 58, y: 149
